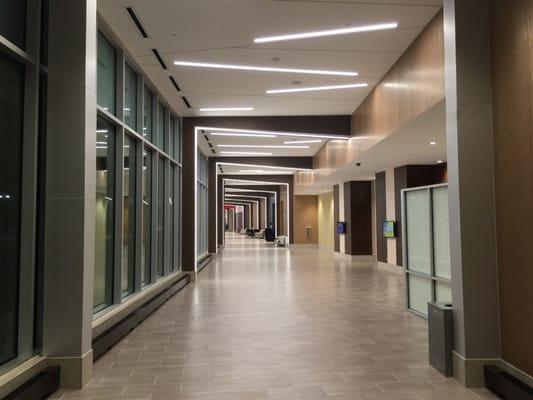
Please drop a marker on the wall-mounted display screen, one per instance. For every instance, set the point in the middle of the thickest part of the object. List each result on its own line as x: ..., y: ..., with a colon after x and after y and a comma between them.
x: 389, y: 229
x: 341, y: 227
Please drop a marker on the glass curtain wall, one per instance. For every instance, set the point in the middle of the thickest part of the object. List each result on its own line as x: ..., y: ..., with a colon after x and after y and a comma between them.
x: 23, y: 116
x: 426, y: 246
x: 105, y: 214
x: 202, y: 206
x: 132, y: 206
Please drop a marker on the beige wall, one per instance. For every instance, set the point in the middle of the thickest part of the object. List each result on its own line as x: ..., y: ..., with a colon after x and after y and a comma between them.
x: 305, y: 214
x: 325, y: 220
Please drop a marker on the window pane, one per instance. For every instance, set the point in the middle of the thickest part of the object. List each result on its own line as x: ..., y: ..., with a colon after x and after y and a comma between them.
x: 107, y: 72
x: 147, y: 216
x: 13, y: 21
x: 171, y: 138
x: 11, y: 115
x: 418, y: 235
x: 443, y: 292
x: 105, y: 171
x: 128, y: 248
x: 172, y: 216
x: 419, y: 293
x: 441, y: 233
x: 161, y: 127
x: 130, y: 98
x: 148, y: 114
x: 177, y: 139
x: 160, y: 216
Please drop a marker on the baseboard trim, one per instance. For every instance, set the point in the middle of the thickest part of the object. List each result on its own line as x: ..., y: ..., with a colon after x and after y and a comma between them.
x: 17, y: 376
x: 505, y: 385
x: 470, y: 371
x: 108, y: 338
x: 202, y: 263
x: 38, y: 387
x: 395, y: 269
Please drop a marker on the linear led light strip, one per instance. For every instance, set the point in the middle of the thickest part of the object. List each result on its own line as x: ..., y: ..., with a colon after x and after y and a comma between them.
x: 253, y: 146
x: 271, y: 133
x: 241, y: 134
x: 317, y: 88
x: 227, y: 109
x: 261, y: 166
x: 329, y: 32
x: 246, y: 153
x: 263, y: 69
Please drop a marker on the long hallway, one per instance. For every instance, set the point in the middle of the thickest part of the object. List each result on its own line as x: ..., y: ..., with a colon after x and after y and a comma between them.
x: 281, y: 324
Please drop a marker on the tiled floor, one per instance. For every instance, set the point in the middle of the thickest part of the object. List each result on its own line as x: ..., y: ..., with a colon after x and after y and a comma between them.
x: 277, y: 324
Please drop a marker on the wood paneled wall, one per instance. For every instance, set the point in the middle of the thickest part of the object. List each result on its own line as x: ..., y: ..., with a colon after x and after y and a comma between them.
x: 413, y: 85
x: 358, y: 216
x: 305, y: 214
x: 512, y: 90
x: 381, y: 216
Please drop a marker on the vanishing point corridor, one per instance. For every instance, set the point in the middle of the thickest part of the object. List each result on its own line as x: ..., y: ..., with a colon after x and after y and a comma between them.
x: 277, y: 324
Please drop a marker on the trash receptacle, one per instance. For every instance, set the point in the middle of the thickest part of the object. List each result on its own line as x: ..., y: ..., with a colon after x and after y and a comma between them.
x: 440, y: 324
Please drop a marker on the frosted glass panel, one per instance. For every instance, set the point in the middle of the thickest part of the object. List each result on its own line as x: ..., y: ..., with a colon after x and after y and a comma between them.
x: 418, y: 234
x: 443, y: 292
x: 441, y: 231
x: 419, y: 293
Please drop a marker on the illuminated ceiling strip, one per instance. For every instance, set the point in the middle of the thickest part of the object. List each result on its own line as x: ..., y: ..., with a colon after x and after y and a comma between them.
x: 329, y: 32
x: 317, y: 88
x: 263, y: 69
x: 263, y: 166
x: 261, y: 146
x: 294, y: 134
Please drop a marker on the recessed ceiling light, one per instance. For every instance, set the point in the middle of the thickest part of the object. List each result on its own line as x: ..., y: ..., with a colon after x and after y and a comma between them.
x: 246, y: 153
x: 253, y: 146
x: 242, y: 134
x: 227, y: 109
x: 303, y: 141
x: 440, y: 162
x: 316, y: 88
x: 433, y: 143
x: 329, y: 32
x: 277, y: 133
x: 263, y: 69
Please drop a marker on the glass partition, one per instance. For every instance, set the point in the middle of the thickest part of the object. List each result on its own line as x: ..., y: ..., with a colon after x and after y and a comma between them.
x: 426, y: 246
x: 105, y: 177
x: 11, y: 114
x: 128, y: 217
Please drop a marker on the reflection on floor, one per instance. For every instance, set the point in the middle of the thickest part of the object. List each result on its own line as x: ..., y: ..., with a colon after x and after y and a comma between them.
x: 273, y: 323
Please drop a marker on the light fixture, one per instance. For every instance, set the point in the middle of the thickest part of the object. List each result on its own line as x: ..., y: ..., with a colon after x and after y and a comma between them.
x: 432, y: 143
x: 317, y: 88
x: 253, y: 146
x: 439, y: 161
x: 264, y: 133
x: 303, y: 141
x: 258, y: 166
x: 329, y: 32
x: 101, y: 131
x: 242, y: 134
x: 263, y: 69
x: 261, y: 171
x: 246, y: 153
x: 227, y: 109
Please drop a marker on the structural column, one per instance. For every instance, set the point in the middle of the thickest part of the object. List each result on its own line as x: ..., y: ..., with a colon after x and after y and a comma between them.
x: 70, y: 193
x: 471, y: 188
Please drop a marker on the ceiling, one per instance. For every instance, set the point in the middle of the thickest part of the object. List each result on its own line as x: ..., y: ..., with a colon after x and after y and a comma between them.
x: 409, y: 145
x: 222, y: 31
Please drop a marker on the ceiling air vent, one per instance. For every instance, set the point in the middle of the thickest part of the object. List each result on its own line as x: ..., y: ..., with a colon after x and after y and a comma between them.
x: 159, y: 58
x: 214, y: 152
x: 137, y: 22
x: 174, y: 83
x: 186, y: 102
